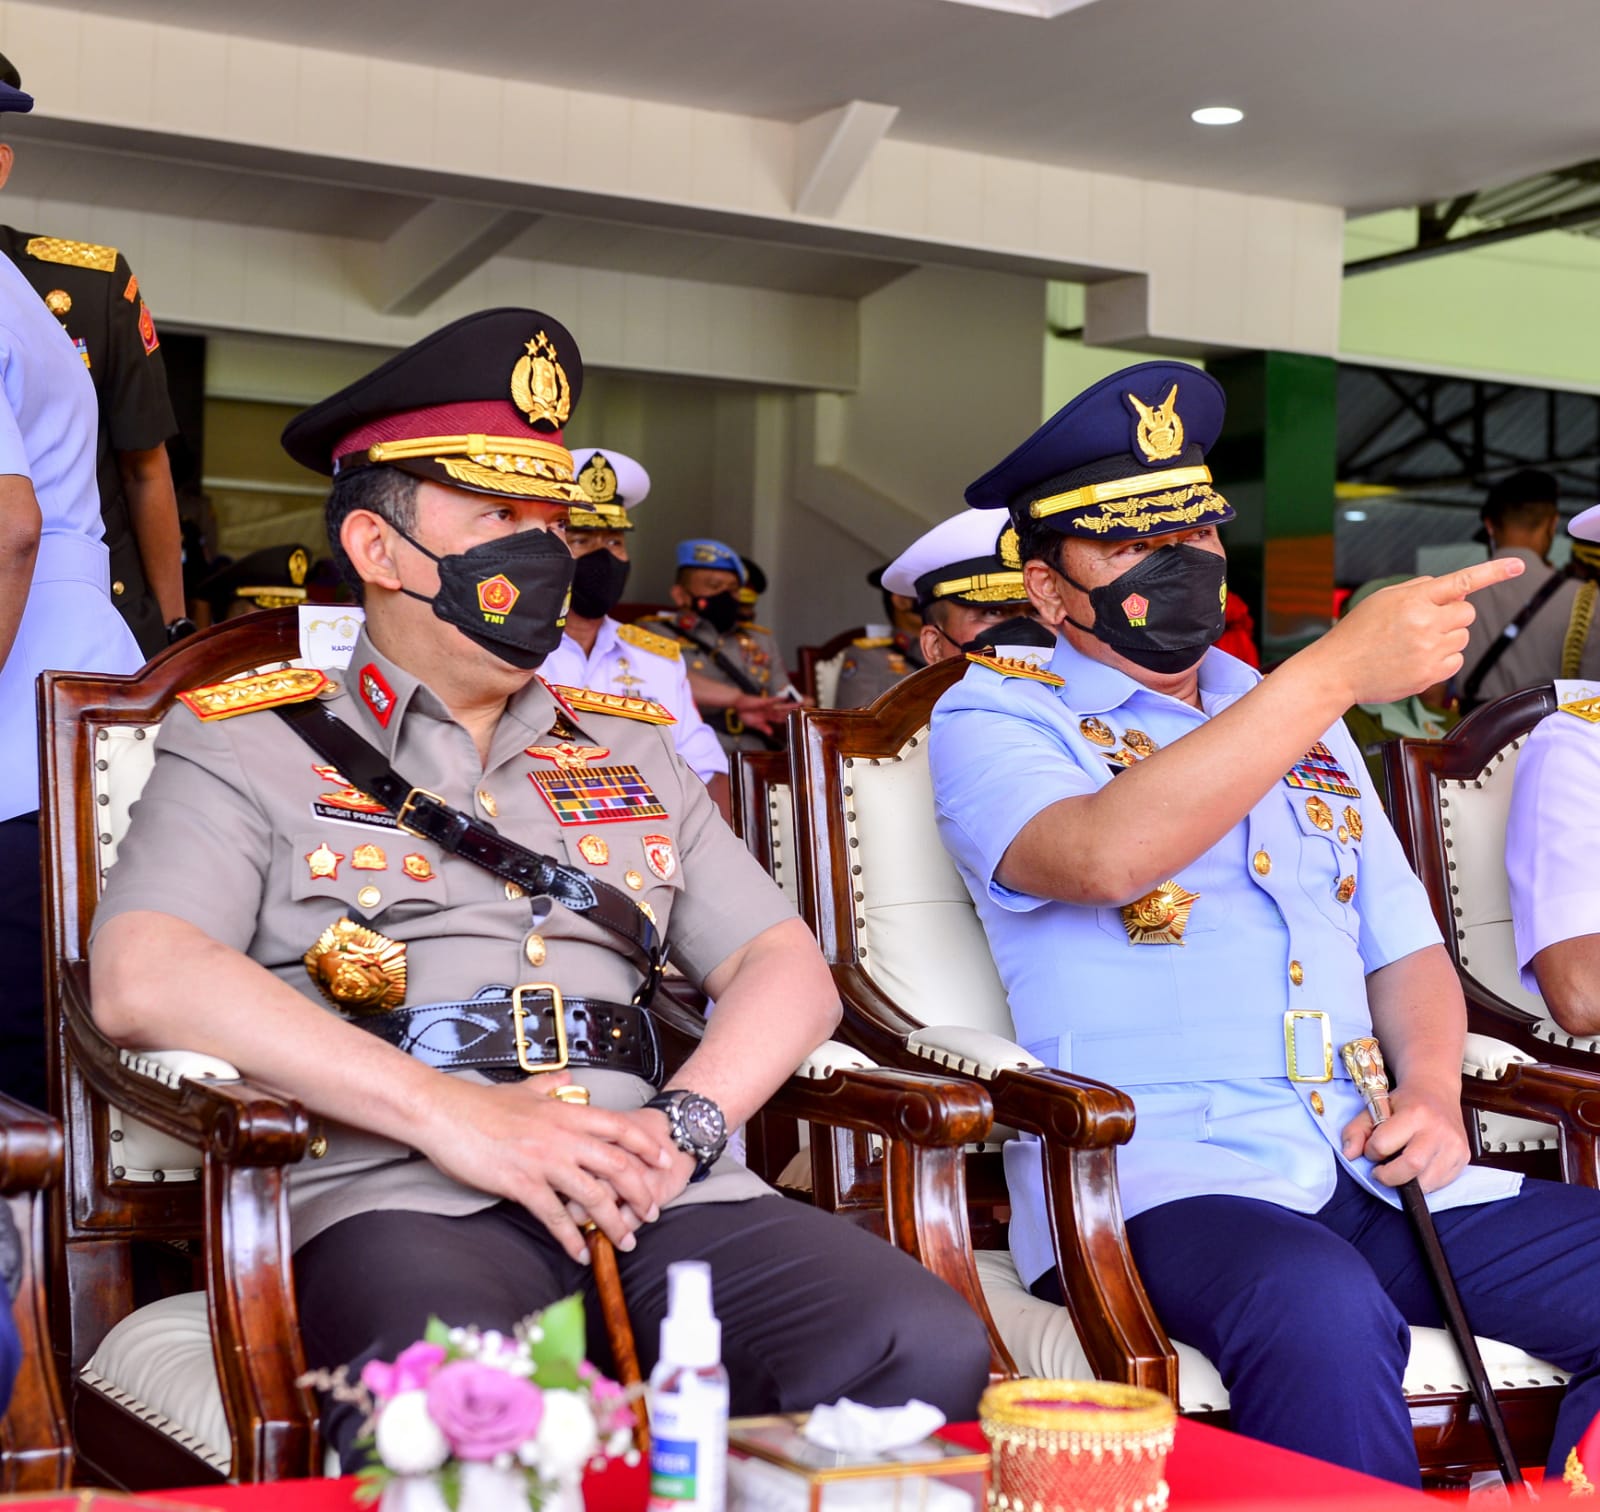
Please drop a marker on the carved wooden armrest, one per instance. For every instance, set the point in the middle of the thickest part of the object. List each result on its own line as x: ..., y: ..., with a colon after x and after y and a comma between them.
x: 240, y: 1123
x: 30, y: 1148
x: 1559, y: 1095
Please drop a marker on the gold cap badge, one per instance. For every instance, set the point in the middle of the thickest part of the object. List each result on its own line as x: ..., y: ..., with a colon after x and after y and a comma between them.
x: 539, y: 386
x: 358, y: 969
x: 598, y: 479
x: 1159, y: 433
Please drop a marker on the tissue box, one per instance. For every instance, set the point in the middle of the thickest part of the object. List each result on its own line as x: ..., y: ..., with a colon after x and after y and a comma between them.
x: 771, y: 1468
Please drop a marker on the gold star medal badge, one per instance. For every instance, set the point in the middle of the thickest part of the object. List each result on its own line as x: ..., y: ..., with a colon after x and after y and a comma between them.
x: 1159, y: 917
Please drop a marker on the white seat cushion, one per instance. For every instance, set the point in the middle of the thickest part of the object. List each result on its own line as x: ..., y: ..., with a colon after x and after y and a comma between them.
x: 780, y: 839
x: 1044, y: 1343
x: 157, y: 1362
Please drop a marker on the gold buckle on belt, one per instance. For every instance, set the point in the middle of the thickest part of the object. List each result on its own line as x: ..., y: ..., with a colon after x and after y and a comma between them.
x: 1292, y: 1060
x: 518, y: 1013
x: 411, y: 803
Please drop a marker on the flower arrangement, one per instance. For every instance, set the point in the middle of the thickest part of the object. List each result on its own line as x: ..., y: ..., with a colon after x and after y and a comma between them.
x: 474, y: 1419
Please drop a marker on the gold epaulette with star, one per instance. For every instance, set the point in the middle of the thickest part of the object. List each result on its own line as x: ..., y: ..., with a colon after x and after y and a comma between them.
x: 648, y: 640
x: 244, y: 695
x: 591, y: 701
x: 872, y: 642
x: 75, y: 254
x: 1015, y: 666
x: 1584, y: 708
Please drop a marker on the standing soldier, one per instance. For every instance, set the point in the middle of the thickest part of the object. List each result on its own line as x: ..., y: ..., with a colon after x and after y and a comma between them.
x: 92, y: 291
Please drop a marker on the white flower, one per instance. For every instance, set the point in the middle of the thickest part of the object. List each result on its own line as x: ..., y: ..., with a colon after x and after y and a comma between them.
x: 408, y: 1440
x: 566, y: 1437
x: 619, y: 1443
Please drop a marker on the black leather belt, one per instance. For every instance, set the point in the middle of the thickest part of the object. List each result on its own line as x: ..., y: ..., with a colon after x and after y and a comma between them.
x: 508, y: 1032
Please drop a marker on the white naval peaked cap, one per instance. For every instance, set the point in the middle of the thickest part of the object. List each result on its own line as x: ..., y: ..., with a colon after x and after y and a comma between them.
x: 615, y: 483
x: 1585, y: 526
x: 958, y: 558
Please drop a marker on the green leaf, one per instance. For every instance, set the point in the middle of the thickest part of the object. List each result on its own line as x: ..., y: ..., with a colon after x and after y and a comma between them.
x: 450, y: 1484
x: 370, y: 1482
x: 559, y: 1350
x: 436, y: 1333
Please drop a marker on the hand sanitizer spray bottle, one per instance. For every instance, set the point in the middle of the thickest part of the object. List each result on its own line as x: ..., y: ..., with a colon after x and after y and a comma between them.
x: 689, y: 1399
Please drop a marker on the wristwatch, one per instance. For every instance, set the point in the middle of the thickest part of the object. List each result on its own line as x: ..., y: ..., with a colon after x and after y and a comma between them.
x: 179, y: 628
x: 697, y: 1125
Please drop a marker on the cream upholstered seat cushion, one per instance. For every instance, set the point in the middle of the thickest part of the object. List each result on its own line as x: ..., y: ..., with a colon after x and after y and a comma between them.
x: 157, y: 1362
x: 1044, y: 1343
x: 827, y: 675
x: 780, y: 840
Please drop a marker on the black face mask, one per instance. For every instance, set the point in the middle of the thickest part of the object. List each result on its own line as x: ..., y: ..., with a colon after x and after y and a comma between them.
x: 509, y: 595
x: 597, y: 584
x: 1165, y: 612
x: 721, y: 609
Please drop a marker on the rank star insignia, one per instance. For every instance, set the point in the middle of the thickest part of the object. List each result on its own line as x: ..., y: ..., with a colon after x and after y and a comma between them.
x: 324, y: 862
x: 569, y: 758
x: 1318, y: 812
x: 1137, y: 607
x: 376, y: 694
x: 1096, y: 730
x: 660, y: 857
x: 1159, y: 917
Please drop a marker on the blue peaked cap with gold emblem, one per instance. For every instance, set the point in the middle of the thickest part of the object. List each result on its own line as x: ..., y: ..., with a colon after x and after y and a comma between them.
x: 717, y: 555
x: 1124, y: 459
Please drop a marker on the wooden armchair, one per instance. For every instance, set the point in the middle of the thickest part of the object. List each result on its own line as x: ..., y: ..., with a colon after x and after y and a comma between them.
x: 819, y: 666
x: 174, y: 1308
x: 35, y: 1444
x: 919, y: 987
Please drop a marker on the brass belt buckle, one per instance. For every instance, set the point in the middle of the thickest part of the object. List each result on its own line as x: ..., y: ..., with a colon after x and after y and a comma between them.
x: 411, y: 803
x: 518, y: 1013
x: 1292, y: 1060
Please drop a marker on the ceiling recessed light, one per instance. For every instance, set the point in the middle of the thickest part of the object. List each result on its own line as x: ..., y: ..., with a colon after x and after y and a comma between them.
x: 1217, y: 115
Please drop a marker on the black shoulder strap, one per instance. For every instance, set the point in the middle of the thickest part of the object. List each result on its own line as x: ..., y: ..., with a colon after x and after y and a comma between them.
x: 1502, y: 642
x: 426, y: 815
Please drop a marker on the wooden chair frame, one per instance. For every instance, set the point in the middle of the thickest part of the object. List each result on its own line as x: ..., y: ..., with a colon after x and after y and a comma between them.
x: 35, y: 1440
x: 1081, y: 1122
x: 810, y: 655
x: 235, y: 1218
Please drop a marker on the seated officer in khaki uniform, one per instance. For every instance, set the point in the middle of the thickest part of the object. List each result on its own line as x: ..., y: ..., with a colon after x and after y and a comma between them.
x: 961, y: 584
x: 267, y: 908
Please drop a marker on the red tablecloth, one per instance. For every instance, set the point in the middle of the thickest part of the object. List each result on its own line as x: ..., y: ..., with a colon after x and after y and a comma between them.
x: 1209, y: 1469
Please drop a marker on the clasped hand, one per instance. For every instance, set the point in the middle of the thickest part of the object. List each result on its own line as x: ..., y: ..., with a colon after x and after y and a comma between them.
x: 1424, y: 1137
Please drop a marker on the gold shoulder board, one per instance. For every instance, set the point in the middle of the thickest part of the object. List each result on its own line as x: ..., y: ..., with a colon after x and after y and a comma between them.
x: 648, y: 640
x: 872, y: 642
x: 1014, y: 666
x: 759, y: 629
x: 75, y: 254
x: 266, y: 690
x: 589, y: 701
x: 1585, y: 708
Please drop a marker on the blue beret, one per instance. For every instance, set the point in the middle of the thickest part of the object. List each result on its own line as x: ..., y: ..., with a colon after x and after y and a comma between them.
x: 18, y: 101
x: 716, y: 556
x: 1125, y: 458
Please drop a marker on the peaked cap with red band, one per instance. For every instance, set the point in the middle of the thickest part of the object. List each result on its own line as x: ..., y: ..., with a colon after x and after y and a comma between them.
x: 478, y: 405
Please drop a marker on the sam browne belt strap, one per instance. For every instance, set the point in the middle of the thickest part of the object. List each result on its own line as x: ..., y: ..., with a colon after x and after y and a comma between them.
x: 427, y: 816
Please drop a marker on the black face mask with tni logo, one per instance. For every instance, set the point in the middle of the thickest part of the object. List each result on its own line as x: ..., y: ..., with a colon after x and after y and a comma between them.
x: 1165, y: 612
x: 508, y: 595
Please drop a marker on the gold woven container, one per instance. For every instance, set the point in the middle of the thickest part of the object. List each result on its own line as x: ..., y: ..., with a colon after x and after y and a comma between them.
x: 1076, y: 1446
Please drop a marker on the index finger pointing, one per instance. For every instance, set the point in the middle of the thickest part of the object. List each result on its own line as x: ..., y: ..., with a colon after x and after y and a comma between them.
x: 1457, y: 585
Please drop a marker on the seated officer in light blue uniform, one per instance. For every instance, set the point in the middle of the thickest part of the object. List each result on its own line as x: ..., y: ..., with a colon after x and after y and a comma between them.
x: 598, y: 652
x: 1191, y: 892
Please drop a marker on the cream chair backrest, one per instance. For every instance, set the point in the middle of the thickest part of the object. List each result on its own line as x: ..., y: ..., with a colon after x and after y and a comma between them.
x: 1474, y: 814
x: 918, y: 935
x: 784, y: 863
x: 827, y: 676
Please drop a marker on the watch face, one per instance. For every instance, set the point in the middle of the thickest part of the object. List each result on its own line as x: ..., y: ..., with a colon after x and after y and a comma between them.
x: 702, y: 1121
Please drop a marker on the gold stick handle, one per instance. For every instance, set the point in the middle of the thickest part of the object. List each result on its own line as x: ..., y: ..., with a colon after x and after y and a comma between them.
x: 1364, y: 1061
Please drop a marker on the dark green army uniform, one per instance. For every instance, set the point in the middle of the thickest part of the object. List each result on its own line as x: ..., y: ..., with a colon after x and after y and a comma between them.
x: 92, y: 291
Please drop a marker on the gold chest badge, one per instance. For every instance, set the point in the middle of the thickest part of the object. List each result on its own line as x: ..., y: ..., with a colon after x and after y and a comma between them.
x: 1159, y: 917
x: 358, y: 969
x: 1159, y: 432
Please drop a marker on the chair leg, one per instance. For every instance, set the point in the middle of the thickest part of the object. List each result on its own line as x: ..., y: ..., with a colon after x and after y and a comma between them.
x: 35, y: 1440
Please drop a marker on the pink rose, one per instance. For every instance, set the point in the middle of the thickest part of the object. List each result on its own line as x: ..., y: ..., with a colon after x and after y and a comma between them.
x: 410, y: 1372
x: 612, y: 1409
x: 483, y: 1411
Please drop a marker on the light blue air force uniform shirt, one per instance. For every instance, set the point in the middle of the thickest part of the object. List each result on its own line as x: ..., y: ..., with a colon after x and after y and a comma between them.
x: 48, y: 427
x: 615, y: 665
x: 1292, y: 909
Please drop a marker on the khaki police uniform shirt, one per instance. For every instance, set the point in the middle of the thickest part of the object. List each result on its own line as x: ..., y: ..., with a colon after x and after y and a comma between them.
x: 92, y: 291
x: 871, y: 666
x: 1534, y: 657
x: 235, y: 807
x: 751, y: 648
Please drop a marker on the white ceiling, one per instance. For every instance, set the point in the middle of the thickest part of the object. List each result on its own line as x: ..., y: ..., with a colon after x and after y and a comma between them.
x: 1361, y: 103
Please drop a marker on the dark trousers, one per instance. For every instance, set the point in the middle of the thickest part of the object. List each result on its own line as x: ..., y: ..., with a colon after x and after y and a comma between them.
x: 22, y: 962
x: 1308, y: 1318
x: 812, y: 1308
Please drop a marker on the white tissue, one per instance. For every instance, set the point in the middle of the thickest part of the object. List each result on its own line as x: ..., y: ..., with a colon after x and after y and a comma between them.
x: 850, y: 1428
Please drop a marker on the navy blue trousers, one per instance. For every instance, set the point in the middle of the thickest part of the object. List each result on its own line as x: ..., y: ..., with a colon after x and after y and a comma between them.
x: 1308, y: 1317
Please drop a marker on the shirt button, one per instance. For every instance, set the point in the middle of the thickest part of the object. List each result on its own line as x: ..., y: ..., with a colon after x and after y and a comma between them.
x: 118, y: 589
x: 1297, y: 973
x: 633, y: 879
x: 1316, y: 1103
x: 534, y: 950
x: 514, y: 891
x: 1262, y: 863
x: 318, y: 1147
x: 368, y: 897
x: 487, y: 804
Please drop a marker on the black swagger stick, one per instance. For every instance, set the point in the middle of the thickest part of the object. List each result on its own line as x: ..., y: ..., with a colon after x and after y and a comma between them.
x: 1364, y: 1061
